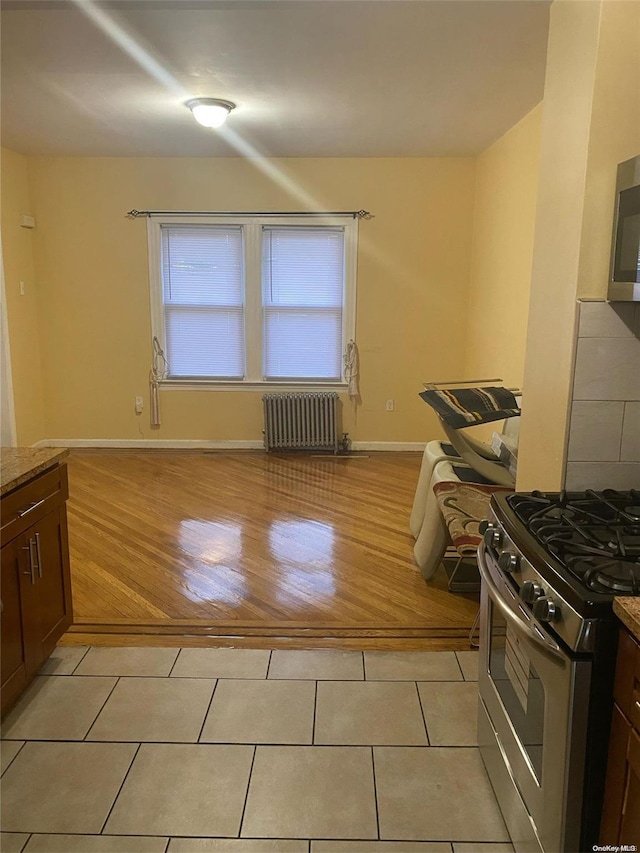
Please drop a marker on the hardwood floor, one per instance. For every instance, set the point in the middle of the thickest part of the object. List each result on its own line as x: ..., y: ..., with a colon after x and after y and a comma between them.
x: 173, y: 548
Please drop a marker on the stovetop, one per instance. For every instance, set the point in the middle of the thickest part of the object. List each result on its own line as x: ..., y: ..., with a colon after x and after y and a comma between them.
x: 587, y: 542
x: 595, y: 536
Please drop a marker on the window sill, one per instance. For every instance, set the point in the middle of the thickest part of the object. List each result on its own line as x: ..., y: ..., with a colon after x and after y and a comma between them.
x: 264, y: 387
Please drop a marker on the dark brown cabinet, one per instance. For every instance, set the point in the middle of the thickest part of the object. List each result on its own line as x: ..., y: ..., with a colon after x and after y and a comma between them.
x: 621, y: 813
x: 36, y: 583
x: 630, y: 827
x: 13, y: 665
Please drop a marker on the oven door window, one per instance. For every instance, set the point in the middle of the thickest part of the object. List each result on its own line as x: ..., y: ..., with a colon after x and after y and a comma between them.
x: 519, y: 687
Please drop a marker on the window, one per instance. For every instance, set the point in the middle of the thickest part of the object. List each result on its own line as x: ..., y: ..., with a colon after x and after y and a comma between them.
x: 202, y: 294
x: 250, y: 299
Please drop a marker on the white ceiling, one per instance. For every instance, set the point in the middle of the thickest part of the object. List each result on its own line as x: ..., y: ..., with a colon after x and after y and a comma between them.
x: 311, y: 78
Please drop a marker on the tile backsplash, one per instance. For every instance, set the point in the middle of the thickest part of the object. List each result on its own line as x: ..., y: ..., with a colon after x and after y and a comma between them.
x: 604, y: 430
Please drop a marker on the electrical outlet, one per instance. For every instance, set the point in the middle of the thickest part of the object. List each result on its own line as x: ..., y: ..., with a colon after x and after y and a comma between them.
x: 390, y: 405
x: 139, y: 405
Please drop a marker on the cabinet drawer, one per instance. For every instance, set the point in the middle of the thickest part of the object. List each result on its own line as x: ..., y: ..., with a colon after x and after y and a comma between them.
x: 20, y: 509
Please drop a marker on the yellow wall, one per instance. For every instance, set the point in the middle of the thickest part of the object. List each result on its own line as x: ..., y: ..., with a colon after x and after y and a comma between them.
x: 615, y: 137
x: 22, y: 311
x: 505, y: 205
x: 589, y: 122
x: 413, y: 278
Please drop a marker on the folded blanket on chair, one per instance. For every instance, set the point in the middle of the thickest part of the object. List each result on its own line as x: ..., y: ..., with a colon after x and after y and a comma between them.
x: 464, y: 507
x: 463, y: 407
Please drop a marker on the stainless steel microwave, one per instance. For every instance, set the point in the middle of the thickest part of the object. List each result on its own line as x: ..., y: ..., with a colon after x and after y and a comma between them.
x: 624, y: 279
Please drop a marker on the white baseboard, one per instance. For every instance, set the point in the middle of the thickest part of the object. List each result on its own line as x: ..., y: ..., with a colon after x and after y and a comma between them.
x: 397, y: 446
x: 202, y: 444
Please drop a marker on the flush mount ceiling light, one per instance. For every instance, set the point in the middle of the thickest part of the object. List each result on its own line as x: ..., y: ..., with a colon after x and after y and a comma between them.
x: 210, y: 112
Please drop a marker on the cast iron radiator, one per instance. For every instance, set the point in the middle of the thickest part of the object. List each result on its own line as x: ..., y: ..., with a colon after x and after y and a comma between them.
x: 301, y: 422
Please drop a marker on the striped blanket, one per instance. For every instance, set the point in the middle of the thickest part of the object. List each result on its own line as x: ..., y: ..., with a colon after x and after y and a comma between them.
x: 463, y: 407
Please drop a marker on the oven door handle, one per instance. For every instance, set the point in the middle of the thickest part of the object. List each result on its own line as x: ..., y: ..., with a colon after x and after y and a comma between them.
x: 547, y: 647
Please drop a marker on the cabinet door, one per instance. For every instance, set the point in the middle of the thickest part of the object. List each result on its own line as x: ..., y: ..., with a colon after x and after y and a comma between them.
x: 53, y: 612
x: 630, y: 826
x: 616, y: 778
x: 14, y: 663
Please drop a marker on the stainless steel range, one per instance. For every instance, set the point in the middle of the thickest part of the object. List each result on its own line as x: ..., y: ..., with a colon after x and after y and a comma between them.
x: 551, y: 565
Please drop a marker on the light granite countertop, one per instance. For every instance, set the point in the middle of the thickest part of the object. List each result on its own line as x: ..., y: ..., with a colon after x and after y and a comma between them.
x: 18, y: 465
x: 627, y: 609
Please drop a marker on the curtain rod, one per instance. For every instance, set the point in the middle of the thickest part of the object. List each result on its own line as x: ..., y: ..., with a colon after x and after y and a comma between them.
x: 357, y: 214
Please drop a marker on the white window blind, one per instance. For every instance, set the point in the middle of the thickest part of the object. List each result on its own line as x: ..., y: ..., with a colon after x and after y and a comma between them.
x: 302, y: 298
x: 203, y: 301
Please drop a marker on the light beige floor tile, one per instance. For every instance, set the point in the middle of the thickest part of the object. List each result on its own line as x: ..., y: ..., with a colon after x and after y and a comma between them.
x: 63, y: 660
x: 472, y: 847
x: 222, y: 663
x: 95, y: 844
x: 369, y: 712
x: 8, y: 751
x: 380, y: 847
x: 103, y: 660
x: 436, y: 793
x: 237, y: 845
x: 63, y: 787
x: 57, y: 707
x: 245, y: 711
x: 154, y: 709
x: 13, y: 842
x: 469, y: 664
x: 311, y: 791
x: 451, y: 712
x: 316, y: 665
x: 411, y: 666
x: 183, y: 789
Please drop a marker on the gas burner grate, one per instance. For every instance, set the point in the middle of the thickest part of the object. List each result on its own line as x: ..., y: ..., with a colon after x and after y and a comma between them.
x: 613, y: 576
x: 594, y: 535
